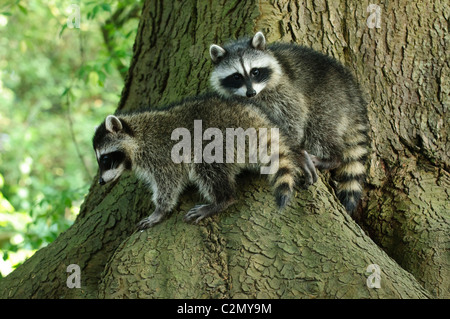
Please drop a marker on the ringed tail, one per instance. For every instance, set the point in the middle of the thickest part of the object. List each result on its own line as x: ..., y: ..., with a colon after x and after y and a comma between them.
x: 283, y: 180
x: 350, y: 175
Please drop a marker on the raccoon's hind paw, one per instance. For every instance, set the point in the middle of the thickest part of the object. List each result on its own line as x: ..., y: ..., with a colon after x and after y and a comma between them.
x: 198, y: 212
x: 308, y: 169
x: 306, y: 164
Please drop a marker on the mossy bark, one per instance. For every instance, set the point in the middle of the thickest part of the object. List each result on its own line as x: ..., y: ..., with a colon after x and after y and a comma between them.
x: 311, y: 249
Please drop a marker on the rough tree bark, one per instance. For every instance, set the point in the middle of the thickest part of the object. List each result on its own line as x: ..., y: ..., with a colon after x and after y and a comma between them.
x: 312, y: 249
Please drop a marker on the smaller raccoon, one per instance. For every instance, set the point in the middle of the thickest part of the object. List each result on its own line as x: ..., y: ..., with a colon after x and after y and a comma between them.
x: 142, y: 142
x: 314, y: 100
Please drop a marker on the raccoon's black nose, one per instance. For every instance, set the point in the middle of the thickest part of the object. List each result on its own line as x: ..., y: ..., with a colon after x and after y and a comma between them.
x: 251, y: 93
x: 101, y: 181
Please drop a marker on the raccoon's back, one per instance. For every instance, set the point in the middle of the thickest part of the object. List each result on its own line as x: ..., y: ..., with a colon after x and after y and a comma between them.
x: 218, y: 112
x: 299, y: 61
x: 313, y: 72
x: 212, y: 109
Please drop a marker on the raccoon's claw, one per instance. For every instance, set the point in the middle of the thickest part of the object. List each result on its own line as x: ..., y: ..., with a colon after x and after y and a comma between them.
x: 308, y: 168
x: 198, y: 212
x: 315, y: 160
x: 149, y: 221
x: 145, y: 223
x: 306, y: 184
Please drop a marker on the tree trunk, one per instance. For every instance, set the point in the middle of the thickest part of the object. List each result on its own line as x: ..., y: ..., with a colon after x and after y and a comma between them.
x: 311, y: 249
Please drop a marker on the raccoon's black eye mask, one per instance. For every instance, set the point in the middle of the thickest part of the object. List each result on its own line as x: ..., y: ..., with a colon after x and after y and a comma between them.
x: 237, y: 80
x: 111, y: 160
x: 260, y: 74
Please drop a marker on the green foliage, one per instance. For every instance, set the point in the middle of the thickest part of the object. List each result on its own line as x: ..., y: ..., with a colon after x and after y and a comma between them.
x: 56, y: 84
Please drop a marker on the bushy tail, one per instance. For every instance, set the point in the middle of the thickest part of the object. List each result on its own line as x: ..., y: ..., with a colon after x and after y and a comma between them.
x: 350, y: 175
x: 284, y: 170
x: 283, y: 181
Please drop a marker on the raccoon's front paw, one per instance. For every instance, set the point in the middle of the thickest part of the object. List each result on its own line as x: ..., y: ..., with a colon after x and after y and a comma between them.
x: 148, y: 222
x: 198, y: 212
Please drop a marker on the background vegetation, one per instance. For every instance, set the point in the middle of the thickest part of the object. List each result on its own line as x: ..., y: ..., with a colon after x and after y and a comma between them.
x: 56, y: 85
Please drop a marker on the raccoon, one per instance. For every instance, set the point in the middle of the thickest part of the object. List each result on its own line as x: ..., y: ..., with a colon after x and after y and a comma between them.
x: 314, y: 100
x: 143, y: 142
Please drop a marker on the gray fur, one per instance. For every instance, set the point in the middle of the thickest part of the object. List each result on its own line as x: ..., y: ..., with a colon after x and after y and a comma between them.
x: 313, y: 98
x: 145, y: 140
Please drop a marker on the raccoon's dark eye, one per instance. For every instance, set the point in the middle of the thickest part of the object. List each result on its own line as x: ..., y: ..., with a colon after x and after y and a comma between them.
x: 254, y: 72
x: 105, y: 161
x: 111, y: 160
x: 237, y: 76
x: 234, y: 81
x: 260, y: 75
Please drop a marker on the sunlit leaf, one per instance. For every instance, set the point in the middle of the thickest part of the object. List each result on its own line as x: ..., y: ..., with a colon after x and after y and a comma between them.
x: 106, y: 7
x: 22, y: 9
x: 64, y: 27
x: 93, y: 78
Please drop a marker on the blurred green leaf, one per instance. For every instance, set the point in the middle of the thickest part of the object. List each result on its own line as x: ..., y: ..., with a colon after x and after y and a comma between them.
x: 64, y: 27
x: 44, y: 66
x: 106, y: 7
x: 22, y: 9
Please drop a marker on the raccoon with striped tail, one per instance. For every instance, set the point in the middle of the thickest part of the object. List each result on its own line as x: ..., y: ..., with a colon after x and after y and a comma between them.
x: 313, y: 98
x: 143, y: 142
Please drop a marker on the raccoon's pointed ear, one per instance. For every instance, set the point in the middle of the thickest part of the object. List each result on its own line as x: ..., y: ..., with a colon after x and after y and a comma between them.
x: 216, y: 52
x: 113, y: 124
x: 259, y: 41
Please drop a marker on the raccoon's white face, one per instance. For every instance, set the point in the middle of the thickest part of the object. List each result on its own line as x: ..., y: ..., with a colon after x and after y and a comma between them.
x: 109, y: 141
x: 111, y: 165
x: 244, y: 68
x: 243, y: 77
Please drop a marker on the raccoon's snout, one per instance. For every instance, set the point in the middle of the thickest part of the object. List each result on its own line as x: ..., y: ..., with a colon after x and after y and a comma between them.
x: 101, y: 181
x: 251, y: 93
